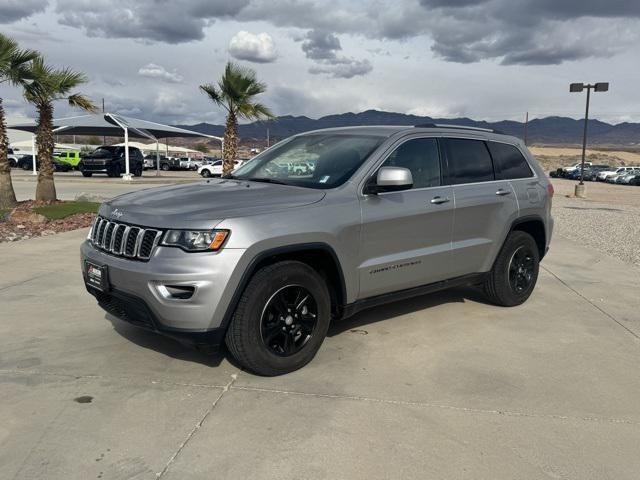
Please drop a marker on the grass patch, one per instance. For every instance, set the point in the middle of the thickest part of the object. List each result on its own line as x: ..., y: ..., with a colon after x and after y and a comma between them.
x: 3, y: 213
x: 63, y: 210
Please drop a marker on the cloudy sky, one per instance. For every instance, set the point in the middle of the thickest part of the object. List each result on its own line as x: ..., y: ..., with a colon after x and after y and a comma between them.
x: 486, y: 59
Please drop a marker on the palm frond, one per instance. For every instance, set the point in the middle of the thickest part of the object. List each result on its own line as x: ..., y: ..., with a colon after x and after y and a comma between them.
x: 255, y: 111
x: 78, y: 100
x: 214, y: 94
x: 14, y: 62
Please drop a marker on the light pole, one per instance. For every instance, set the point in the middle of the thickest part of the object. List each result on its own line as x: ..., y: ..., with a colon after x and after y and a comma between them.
x: 578, y: 87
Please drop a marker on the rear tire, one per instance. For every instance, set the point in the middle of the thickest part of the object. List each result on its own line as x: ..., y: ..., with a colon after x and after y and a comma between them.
x: 164, y: 167
x: 86, y: 174
x: 137, y: 171
x: 281, y: 319
x: 205, y: 173
x: 515, y: 271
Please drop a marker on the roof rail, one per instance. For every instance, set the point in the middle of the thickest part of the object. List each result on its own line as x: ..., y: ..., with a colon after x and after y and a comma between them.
x: 460, y: 127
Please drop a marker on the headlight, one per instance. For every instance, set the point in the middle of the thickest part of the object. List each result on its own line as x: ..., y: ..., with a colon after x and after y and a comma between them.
x: 195, y: 240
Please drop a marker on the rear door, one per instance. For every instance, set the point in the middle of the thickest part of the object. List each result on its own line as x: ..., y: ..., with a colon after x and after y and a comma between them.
x: 406, y: 236
x: 484, y: 206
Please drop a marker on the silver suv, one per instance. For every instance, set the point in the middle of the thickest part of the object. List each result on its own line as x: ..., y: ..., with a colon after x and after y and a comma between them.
x: 264, y: 259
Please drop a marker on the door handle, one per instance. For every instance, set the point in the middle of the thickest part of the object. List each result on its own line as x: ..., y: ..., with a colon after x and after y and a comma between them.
x: 439, y: 200
x: 502, y: 192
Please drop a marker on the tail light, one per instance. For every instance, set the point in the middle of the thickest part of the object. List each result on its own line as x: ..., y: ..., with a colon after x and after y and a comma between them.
x: 550, y: 190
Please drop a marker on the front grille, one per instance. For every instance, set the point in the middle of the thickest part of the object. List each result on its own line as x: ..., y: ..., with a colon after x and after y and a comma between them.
x: 124, y: 240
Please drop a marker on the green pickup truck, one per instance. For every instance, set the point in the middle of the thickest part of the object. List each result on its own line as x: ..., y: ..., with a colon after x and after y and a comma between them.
x: 72, y: 158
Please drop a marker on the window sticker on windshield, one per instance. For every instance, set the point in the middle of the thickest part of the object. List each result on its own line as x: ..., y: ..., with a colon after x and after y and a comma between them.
x: 324, y: 179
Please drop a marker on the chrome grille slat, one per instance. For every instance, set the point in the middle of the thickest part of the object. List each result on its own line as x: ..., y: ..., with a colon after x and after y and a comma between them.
x: 124, y: 240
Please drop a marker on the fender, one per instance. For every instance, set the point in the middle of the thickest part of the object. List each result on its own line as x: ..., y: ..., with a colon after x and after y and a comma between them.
x: 287, y: 249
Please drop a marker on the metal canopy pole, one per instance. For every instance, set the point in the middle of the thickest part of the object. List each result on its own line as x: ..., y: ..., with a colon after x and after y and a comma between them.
x: 127, y: 175
x: 157, y: 158
x: 34, y: 151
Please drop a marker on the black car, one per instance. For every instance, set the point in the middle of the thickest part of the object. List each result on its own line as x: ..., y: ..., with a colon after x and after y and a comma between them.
x: 110, y: 159
x: 26, y: 163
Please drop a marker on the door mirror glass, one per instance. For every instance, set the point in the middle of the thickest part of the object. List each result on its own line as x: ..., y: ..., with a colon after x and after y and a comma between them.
x: 390, y: 179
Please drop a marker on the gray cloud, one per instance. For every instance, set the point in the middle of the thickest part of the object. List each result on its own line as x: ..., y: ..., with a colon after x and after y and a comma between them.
x: 344, y: 68
x: 322, y: 47
x: 175, y: 21
x: 13, y: 10
x: 528, y: 32
x: 319, y: 45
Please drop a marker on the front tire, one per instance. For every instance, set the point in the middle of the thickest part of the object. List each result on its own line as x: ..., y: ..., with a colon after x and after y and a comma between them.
x: 205, y: 173
x: 515, y: 271
x: 281, y: 319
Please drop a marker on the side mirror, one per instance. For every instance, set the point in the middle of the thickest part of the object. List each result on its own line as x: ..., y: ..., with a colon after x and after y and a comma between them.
x: 390, y: 179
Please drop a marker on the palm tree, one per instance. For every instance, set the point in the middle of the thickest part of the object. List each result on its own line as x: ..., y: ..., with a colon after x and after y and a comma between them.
x: 14, y: 69
x: 235, y: 93
x: 47, y: 86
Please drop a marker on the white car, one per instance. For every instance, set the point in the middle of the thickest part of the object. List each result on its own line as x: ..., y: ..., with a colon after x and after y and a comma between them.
x: 605, y: 174
x: 215, y: 169
x: 575, y: 167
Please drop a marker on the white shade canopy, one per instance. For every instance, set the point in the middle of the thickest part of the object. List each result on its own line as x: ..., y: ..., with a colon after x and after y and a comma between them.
x: 112, y: 125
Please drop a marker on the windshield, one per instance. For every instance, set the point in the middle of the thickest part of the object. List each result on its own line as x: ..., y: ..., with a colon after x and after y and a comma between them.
x: 106, y: 151
x: 314, y: 161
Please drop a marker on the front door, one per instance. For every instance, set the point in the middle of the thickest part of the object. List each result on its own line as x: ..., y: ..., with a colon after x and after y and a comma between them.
x: 406, y: 235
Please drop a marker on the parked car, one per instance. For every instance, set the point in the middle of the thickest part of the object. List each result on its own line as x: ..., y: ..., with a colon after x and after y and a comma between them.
x: 13, y: 158
x: 588, y: 172
x: 72, y: 158
x: 573, y: 168
x: 110, y: 159
x: 624, y: 179
x: 265, y: 263
x: 166, y: 163
x: 604, y: 174
x: 635, y: 180
x: 26, y: 163
x: 187, y: 163
x: 215, y: 169
x: 591, y: 173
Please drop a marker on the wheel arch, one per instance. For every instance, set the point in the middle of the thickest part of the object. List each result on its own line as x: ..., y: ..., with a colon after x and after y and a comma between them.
x: 320, y: 256
x: 534, y: 226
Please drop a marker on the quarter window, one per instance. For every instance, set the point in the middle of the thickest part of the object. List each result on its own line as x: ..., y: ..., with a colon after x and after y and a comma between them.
x: 469, y: 160
x: 421, y: 156
x: 509, y: 161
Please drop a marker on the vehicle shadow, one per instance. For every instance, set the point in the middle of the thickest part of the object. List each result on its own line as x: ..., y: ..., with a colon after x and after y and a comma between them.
x: 403, y: 307
x: 174, y: 349
x: 167, y: 346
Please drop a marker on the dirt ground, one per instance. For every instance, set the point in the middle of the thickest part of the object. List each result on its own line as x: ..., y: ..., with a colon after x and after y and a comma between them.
x: 553, y: 157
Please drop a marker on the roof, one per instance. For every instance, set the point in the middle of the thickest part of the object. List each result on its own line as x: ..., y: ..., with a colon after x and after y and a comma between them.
x: 389, y: 130
x: 112, y: 125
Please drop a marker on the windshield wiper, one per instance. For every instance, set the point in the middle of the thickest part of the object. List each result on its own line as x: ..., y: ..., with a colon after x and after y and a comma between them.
x: 266, y: 180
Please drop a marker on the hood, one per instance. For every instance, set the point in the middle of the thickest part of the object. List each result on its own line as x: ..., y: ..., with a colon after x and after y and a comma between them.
x: 203, y: 205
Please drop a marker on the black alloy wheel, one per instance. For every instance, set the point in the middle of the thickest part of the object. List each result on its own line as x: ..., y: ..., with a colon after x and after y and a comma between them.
x: 521, y: 269
x: 288, y: 320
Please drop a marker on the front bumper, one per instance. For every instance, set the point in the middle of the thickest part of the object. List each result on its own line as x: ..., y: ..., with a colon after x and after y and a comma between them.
x: 141, y: 287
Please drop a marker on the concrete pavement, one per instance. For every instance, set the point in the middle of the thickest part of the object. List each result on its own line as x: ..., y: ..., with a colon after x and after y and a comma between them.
x: 443, y: 386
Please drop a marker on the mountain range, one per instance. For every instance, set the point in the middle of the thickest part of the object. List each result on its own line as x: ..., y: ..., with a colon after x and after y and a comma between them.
x: 549, y: 130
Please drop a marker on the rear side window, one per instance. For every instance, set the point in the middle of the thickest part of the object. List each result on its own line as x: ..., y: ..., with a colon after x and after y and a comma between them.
x: 469, y: 160
x: 421, y: 156
x: 509, y: 161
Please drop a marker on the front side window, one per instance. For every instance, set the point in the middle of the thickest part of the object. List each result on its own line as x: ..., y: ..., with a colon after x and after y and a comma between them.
x: 509, y: 161
x: 468, y: 160
x: 421, y: 156
x: 315, y: 160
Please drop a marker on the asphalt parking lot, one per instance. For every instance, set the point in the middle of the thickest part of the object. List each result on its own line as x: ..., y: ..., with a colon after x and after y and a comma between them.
x: 443, y: 386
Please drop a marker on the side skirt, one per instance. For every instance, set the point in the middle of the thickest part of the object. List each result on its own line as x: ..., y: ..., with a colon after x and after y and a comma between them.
x: 359, y: 305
